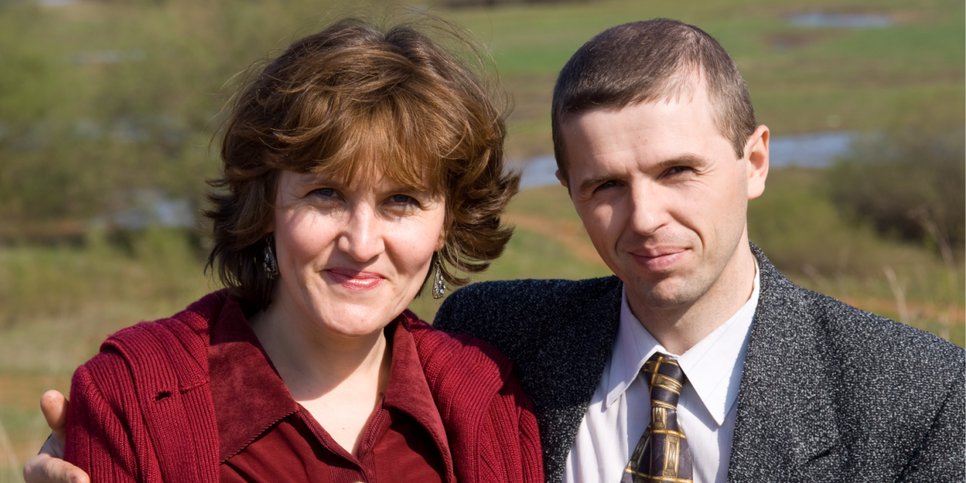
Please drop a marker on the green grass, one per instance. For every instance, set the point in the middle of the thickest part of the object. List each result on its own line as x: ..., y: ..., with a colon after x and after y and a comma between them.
x: 861, y: 79
x: 60, y: 302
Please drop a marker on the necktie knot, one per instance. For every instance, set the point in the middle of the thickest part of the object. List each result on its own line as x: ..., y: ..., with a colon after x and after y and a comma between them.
x: 665, y: 378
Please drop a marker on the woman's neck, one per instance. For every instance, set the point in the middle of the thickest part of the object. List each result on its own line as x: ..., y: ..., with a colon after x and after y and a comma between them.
x: 338, y: 379
x: 312, y: 360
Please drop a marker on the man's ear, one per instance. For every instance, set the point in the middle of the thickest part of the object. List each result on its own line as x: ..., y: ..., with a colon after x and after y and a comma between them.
x: 562, y: 179
x: 756, y: 159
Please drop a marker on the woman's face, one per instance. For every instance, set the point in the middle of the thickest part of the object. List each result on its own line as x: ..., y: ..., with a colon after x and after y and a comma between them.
x: 351, y: 257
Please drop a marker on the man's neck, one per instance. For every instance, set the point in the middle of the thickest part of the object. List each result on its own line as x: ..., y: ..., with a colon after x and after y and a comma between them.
x: 680, y: 327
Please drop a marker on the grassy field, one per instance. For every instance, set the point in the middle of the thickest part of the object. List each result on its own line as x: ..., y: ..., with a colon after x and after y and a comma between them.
x: 801, y: 79
x: 57, y: 302
x: 74, y: 299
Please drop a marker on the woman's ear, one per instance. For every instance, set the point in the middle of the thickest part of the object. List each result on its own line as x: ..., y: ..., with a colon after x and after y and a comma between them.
x: 442, y: 239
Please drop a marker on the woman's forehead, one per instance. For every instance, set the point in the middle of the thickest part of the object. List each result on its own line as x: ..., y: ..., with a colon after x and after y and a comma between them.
x: 407, y: 172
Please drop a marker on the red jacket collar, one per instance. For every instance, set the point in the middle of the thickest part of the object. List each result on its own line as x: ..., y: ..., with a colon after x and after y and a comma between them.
x: 250, y: 397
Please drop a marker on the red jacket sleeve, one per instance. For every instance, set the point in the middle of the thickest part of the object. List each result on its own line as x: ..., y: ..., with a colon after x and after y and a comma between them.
x: 100, y: 434
x: 511, y: 416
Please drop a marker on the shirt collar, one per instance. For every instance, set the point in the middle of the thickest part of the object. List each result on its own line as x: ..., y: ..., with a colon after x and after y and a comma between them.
x: 712, y: 366
x: 250, y: 397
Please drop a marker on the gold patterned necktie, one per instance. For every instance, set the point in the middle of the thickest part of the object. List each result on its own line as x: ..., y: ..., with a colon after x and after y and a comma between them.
x: 662, y: 454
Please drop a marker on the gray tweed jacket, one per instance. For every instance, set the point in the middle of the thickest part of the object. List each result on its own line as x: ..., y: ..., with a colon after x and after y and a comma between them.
x: 828, y: 392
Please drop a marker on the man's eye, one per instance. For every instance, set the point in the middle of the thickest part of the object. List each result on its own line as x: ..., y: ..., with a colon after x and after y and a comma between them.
x: 675, y: 170
x: 607, y: 185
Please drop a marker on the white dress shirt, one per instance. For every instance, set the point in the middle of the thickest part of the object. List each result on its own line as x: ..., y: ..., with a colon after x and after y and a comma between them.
x: 621, y: 409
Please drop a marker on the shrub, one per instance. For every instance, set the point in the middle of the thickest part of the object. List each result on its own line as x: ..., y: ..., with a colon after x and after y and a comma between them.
x: 908, y: 183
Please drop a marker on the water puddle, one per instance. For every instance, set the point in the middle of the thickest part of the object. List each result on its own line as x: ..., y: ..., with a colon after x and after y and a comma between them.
x: 840, y: 20
x: 816, y: 150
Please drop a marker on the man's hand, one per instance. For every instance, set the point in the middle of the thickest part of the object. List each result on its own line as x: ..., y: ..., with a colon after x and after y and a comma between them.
x: 47, y: 467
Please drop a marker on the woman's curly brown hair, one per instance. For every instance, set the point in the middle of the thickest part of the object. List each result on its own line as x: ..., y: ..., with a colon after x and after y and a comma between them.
x: 348, y: 102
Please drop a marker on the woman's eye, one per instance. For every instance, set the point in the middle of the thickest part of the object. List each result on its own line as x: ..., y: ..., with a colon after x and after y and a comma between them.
x: 324, y: 193
x: 403, y: 200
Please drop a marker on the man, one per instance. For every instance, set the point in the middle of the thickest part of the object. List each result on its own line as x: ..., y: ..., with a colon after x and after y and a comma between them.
x: 657, y: 144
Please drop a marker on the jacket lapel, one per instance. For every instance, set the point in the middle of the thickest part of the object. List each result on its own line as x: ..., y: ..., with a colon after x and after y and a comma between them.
x: 574, y: 357
x: 785, y: 429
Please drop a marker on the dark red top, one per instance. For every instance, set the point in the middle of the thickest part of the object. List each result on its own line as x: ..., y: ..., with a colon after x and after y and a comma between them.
x: 287, y: 444
x: 143, y: 408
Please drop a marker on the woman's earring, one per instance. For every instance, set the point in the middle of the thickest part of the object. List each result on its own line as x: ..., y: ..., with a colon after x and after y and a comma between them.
x: 439, y: 285
x: 269, y: 263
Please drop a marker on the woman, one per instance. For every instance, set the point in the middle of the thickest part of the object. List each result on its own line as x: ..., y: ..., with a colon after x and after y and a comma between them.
x: 355, y: 164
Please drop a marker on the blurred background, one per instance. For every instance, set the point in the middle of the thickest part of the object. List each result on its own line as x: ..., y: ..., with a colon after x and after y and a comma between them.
x: 108, y: 108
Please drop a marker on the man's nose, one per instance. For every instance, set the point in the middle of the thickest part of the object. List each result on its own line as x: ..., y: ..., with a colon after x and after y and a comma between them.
x: 648, y: 211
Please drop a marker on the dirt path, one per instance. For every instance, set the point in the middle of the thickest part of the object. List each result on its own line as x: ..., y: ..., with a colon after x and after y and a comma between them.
x: 567, y: 232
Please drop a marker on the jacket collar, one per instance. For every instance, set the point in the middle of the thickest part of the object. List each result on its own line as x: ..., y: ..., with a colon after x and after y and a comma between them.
x: 785, y: 416
x: 577, y: 357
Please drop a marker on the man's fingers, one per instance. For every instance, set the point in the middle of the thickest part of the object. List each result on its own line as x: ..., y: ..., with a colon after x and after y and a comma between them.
x: 47, y: 467
x: 44, y: 468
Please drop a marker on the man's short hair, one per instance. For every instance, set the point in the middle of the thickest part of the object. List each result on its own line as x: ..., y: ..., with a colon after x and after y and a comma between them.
x: 649, y: 61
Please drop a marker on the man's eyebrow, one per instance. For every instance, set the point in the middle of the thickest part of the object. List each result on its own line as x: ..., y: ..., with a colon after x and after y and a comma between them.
x: 686, y: 159
x: 689, y: 159
x: 589, y: 184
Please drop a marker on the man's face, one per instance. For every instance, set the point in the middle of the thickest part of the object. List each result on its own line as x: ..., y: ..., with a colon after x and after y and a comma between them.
x: 664, y: 197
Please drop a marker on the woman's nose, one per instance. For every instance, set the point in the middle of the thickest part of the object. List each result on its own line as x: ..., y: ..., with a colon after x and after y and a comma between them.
x: 362, y: 235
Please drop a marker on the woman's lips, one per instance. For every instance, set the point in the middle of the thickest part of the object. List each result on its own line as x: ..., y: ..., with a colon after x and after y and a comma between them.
x: 354, y: 279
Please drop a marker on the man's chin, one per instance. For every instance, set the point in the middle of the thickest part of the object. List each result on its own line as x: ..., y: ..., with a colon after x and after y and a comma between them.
x: 667, y: 294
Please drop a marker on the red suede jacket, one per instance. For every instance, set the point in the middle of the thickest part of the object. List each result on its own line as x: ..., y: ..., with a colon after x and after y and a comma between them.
x: 141, y: 409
